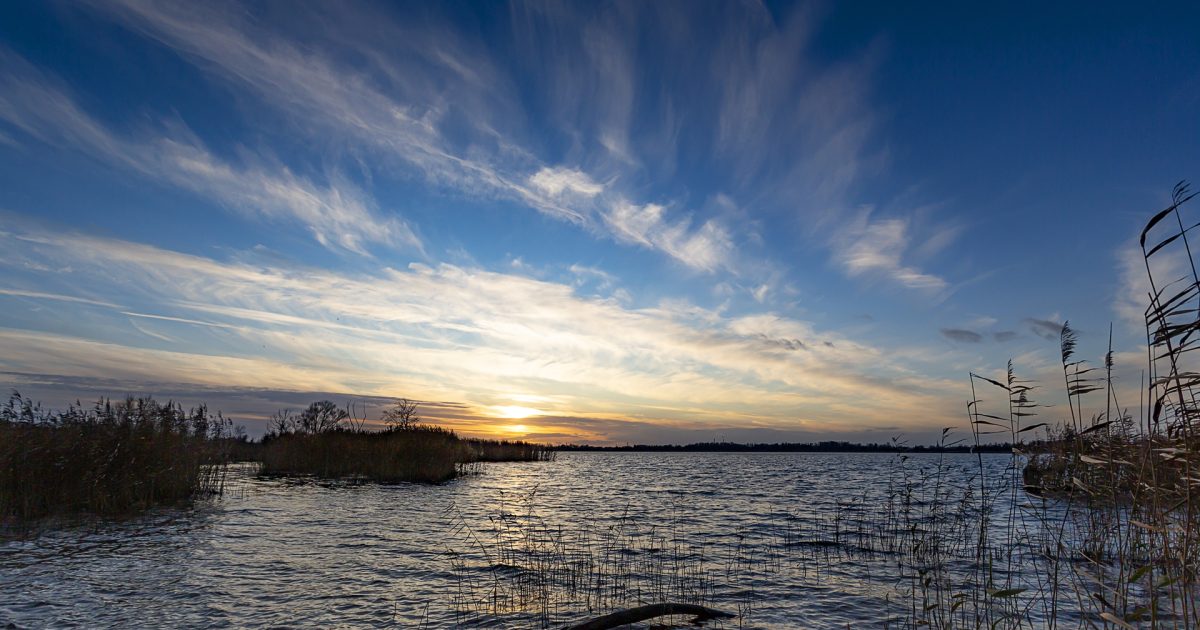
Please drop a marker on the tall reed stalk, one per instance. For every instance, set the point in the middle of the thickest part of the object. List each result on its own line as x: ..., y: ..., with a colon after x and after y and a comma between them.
x: 111, y: 458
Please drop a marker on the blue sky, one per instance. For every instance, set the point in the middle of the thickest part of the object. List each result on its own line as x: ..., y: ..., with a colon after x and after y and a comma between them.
x: 605, y: 222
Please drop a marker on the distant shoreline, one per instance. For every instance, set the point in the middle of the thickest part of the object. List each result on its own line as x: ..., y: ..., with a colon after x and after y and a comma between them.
x: 787, y: 447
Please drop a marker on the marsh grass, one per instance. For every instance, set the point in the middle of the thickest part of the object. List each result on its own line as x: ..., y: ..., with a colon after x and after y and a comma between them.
x: 525, y: 571
x: 112, y: 458
x: 334, y: 443
x: 415, y: 454
x: 1102, y: 528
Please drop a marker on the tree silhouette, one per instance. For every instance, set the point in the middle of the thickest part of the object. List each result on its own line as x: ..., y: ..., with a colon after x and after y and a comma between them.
x: 321, y: 417
x: 402, y: 415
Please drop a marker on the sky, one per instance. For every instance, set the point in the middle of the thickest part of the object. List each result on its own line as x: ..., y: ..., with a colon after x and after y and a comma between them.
x: 604, y: 222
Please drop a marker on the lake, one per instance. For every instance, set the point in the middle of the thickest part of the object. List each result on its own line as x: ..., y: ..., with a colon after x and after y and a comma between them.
x: 784, y: 539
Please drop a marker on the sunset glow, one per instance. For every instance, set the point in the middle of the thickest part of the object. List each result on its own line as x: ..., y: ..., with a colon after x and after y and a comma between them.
x: 527, y: 314
x: 536, y: 219
x: 516, y: 413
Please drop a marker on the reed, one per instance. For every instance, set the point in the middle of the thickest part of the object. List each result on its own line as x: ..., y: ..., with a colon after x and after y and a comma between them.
x: 416, y: 454
x: 112, y: 458
x: 1106, y: 503
x: 335, y: 443
x: 522, y: 570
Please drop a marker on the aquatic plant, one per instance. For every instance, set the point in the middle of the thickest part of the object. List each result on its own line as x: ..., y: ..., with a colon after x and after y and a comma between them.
x: 1118, y: 524
x: 419, y: 454
x: 112, y: 458
x: 525, y: 571
x: 331, y: 442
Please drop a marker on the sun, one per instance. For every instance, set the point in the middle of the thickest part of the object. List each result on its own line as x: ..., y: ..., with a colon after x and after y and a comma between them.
x: 518, y: 428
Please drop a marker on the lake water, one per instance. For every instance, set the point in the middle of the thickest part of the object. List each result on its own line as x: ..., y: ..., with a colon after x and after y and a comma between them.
x: 784, y: 539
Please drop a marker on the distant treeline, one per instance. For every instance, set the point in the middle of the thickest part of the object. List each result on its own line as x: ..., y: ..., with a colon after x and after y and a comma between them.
x: 791, y: 447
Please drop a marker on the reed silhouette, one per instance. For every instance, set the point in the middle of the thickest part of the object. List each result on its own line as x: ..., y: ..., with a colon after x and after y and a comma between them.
x: 1102, y: 521
x: 335, y: 443
x: 111, y: 458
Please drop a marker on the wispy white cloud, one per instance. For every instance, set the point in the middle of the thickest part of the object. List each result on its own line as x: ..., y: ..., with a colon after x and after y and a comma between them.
x: 446, y: 332
x: 444, y: 106
x: 760, y: 292
x: 707, y: 247
x: 42, y: 295
x: 1134, y: 287
x: 555, y: 182
x: 794, y: 128
x: 868, y: 248
x: 337, y: 215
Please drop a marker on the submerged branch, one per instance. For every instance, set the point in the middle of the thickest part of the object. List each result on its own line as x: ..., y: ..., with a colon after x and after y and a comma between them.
x: 650, y: 611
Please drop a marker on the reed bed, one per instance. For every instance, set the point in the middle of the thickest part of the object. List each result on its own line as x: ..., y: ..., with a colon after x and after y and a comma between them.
x: 112, y: 458
x: 507, y: 451
x: 417, y: 454
x: 334, y: 443
x: 1096, y: 524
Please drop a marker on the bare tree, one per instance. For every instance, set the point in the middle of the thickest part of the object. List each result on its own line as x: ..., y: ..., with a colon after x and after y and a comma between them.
x: 282, y: 422
x: 402, y: 415
x: 320, y: 417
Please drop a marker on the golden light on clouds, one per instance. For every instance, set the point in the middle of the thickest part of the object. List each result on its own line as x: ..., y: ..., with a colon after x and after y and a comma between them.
x: 516, y: 412
x: 681, y: 367
x: 529, y: 398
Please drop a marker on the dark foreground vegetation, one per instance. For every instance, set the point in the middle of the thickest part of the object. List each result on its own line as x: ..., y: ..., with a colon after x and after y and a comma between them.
x: 331, y: 442
x: 794, y: 447
x: 111, y: 458
x: 125, y: 456
x: 1107, y: 502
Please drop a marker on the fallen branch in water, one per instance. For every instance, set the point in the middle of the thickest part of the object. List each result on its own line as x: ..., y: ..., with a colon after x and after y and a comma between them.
x: 650, y: 611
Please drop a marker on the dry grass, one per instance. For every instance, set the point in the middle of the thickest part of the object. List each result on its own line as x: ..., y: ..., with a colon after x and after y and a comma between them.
x: 415, y: 454
x: 1105, y: 503
x: 112, y: 458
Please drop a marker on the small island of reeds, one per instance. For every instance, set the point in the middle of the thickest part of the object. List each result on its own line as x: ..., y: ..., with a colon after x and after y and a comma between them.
x: 330, y: 442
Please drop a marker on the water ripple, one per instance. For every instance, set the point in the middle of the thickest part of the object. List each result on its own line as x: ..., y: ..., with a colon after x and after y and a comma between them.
x: 279, y: 552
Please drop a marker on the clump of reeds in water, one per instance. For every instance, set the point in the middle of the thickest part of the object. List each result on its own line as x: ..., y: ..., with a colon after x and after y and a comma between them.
x: 1103, y: 521
x: 334, y: 443
x: 507, y: 451
x: 111, y: 458
x: 521, y: 570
